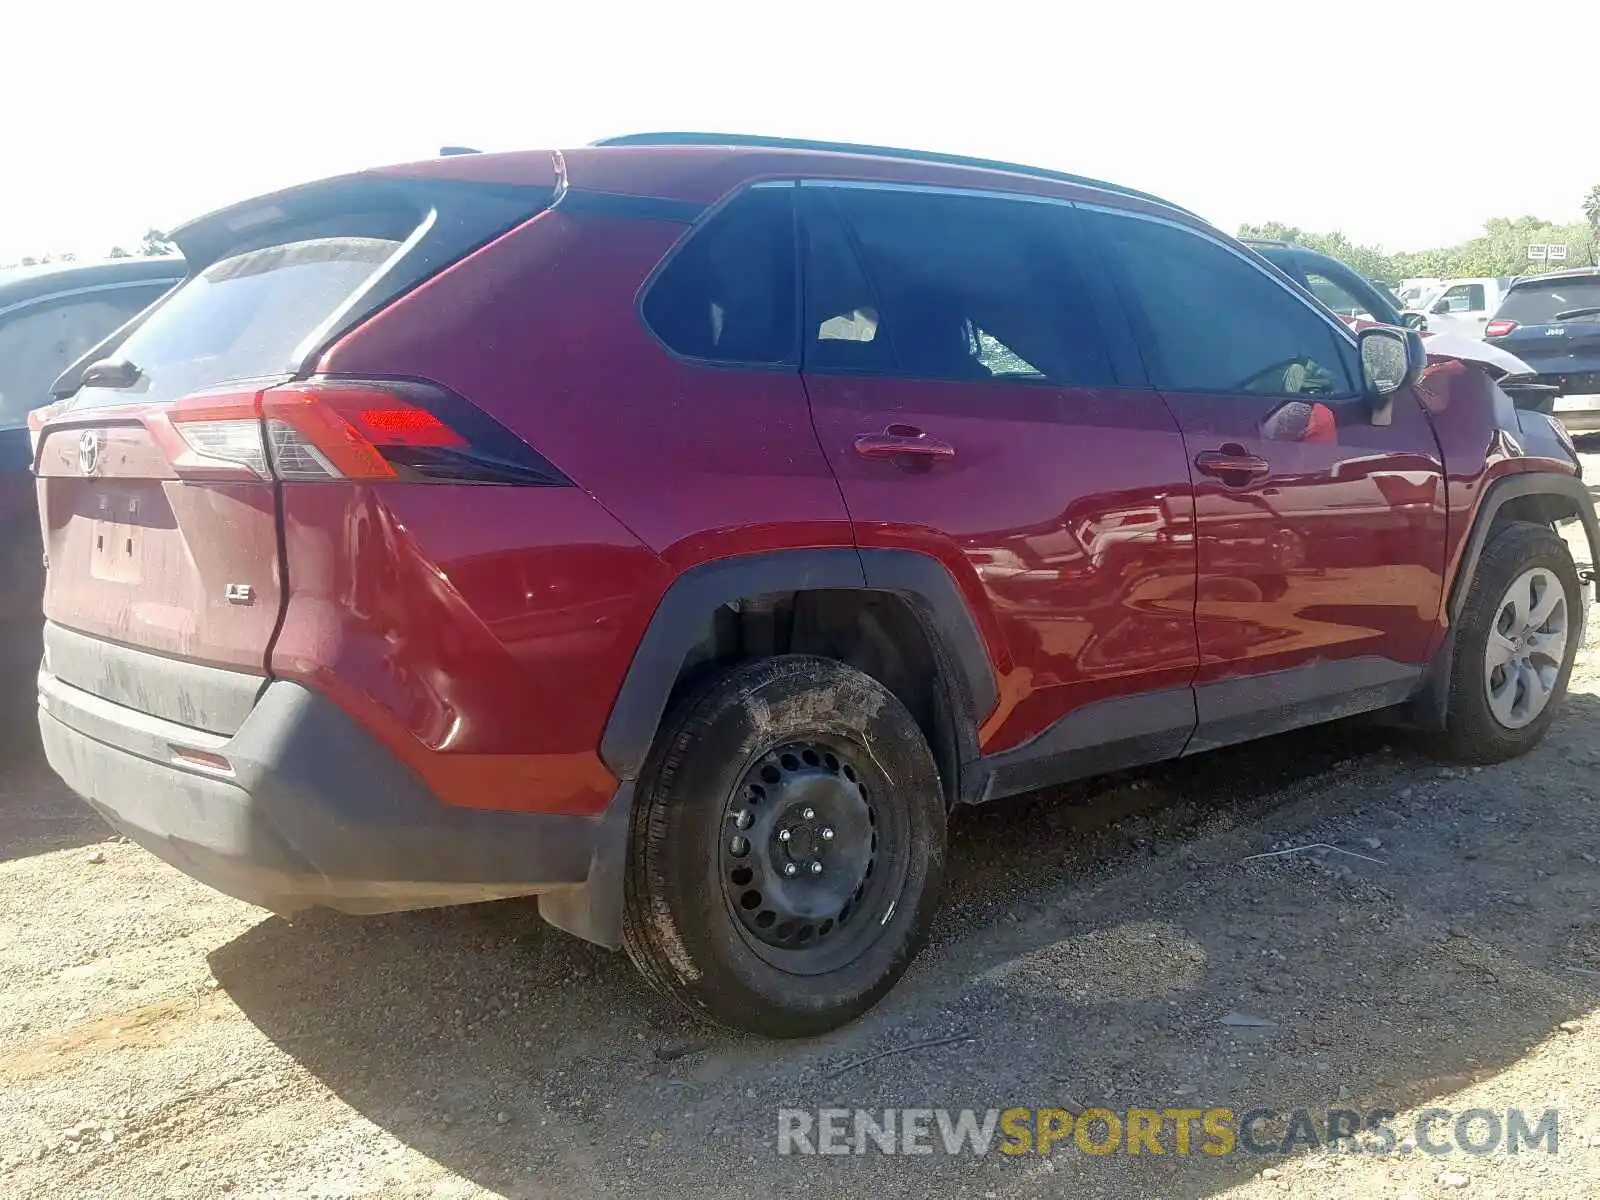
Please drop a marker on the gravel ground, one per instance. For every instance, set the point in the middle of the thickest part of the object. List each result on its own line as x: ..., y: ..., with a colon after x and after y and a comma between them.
x: 1100, y: 947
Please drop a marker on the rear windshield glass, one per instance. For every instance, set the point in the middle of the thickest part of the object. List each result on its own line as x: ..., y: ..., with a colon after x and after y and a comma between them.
x: 242, y: 317
x: 1542, y: 303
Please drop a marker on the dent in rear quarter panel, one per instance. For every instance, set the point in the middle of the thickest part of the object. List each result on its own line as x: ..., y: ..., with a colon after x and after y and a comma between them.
x: 1460, y: 403
x: 481, y: 632
x: 540, y: 330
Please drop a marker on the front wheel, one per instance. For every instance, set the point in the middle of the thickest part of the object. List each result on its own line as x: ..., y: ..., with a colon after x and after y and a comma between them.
x: 1519, y: 633
x: 788, y: 847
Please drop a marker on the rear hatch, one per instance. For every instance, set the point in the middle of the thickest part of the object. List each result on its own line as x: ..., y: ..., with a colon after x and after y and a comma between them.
x: 159, y: 478
x: 1553, y: 325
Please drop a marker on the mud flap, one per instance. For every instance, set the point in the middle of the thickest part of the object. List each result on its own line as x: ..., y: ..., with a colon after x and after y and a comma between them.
x: 593, y: 909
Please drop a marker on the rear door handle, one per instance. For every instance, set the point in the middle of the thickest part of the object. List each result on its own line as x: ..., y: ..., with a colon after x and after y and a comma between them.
x: 906, y: 445
x: 1232, y: 464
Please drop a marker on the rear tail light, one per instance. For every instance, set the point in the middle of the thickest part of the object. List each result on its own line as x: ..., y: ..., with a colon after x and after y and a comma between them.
x: 1498, y: 328
x: 322, y: 430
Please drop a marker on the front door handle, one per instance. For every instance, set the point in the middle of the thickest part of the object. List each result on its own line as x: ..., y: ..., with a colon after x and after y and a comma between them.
x: 905, y: 445
x: 1232, y: 464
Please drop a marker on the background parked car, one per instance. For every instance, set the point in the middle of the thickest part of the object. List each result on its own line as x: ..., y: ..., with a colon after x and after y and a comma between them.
x: 1465, y: 305
x: 1552, y: 322
x: 49, y: 317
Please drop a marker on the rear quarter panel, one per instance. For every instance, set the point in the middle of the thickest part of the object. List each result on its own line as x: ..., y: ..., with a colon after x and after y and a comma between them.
x: 1460, y: 402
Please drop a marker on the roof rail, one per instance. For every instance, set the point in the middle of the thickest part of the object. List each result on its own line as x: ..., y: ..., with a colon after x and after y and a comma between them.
x: 929, y: 156
x: 1278, y: 242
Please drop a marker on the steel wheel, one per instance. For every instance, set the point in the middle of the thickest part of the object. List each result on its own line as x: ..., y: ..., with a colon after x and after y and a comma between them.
x: 1526, y: 648
x: 799, y: 856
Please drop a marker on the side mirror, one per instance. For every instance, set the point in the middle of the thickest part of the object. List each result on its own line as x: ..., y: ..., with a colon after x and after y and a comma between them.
x: 1391, y: 360
x: 1442, y: 307
x: 1415, y: 320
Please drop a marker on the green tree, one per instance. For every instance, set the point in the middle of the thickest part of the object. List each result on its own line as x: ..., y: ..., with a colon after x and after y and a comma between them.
x: 155, y: 244
x: 118, y: 252
x: 1591, y: 213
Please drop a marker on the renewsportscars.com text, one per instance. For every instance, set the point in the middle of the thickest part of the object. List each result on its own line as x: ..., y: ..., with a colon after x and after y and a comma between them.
x: 1180, y: 1131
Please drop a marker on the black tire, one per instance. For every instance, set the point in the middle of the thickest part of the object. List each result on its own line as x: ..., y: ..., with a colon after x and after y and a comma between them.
x: 1473, y: 733
x: 776, y: 733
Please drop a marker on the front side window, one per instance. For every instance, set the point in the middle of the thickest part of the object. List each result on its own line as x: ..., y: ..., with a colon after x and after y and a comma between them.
x: 40, y: 341
x: 946, y: 286
x: 1208, y: 321
x: 728, y: 294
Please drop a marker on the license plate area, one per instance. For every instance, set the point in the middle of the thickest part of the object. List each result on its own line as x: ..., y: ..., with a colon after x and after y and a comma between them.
x: 116, y: 539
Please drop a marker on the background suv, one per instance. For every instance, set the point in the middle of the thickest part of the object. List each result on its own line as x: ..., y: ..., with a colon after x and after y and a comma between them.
x: 677, y: 528
x: 49, y: 317
x: 1552, y: 322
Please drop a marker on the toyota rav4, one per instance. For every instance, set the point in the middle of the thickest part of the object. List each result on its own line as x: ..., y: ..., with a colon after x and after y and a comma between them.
x: 677, y: 528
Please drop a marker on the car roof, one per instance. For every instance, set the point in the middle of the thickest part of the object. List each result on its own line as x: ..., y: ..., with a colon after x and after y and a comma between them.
x: 19, y: 285
x: 897, y: 153
x: 1549, y: 276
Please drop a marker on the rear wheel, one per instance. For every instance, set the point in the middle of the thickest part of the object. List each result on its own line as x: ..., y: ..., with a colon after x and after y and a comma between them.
x: 788, y: 847
x: 1519, y: 632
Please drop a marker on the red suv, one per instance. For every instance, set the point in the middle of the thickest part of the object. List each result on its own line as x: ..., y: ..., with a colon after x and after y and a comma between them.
x: 677, y: 528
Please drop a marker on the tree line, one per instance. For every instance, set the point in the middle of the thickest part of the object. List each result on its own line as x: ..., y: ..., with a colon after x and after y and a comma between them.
x: 1501, y: 249
x: 154, y: 244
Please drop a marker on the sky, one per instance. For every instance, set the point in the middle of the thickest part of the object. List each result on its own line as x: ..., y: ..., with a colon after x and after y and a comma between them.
x: 1395, y: 123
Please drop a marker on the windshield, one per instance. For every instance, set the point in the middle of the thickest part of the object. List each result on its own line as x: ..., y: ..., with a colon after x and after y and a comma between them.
x: 242, y: 317
x: 1539, y: 303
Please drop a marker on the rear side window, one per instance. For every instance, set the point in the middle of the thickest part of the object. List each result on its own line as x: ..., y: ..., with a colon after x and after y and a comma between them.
x: 40, y: 341
x: 728, y: 294
x: 1209, y: 321
x: 947, y: 286
x: 243, y: 317
x: 1543, y: 303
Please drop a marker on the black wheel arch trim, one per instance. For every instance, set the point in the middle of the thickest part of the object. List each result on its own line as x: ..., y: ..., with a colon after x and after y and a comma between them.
x: 1428, y: 708
x: 682, y: 616
x: 1501, y: 492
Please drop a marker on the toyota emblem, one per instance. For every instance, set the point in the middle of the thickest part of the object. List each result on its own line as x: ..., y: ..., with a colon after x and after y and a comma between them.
x: 89, y: 452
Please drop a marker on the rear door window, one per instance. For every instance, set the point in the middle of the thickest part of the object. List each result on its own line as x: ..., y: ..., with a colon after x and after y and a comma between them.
x: 40, y: 341
x: 728, y: 294
x: 1543, y: 303
x: 947, y: 286
x: 243, y: 317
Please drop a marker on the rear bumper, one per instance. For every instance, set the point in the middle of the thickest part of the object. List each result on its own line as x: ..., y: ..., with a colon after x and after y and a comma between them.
x: 314, y: 812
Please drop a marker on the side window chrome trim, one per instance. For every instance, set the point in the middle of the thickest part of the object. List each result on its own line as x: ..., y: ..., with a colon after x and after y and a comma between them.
x: 928, y: 189
x: 1347, y: 339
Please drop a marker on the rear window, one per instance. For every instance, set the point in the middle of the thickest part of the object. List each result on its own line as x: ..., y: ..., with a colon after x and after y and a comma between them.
x: 243, y: 317
x: 1542, y: 303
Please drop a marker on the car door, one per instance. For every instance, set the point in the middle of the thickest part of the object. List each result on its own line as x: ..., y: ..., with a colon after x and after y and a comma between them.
x: 976, y: 408
x: 1321, y: 533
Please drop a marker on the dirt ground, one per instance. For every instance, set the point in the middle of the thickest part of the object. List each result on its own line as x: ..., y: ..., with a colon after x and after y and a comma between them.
x: 1097, y: 948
